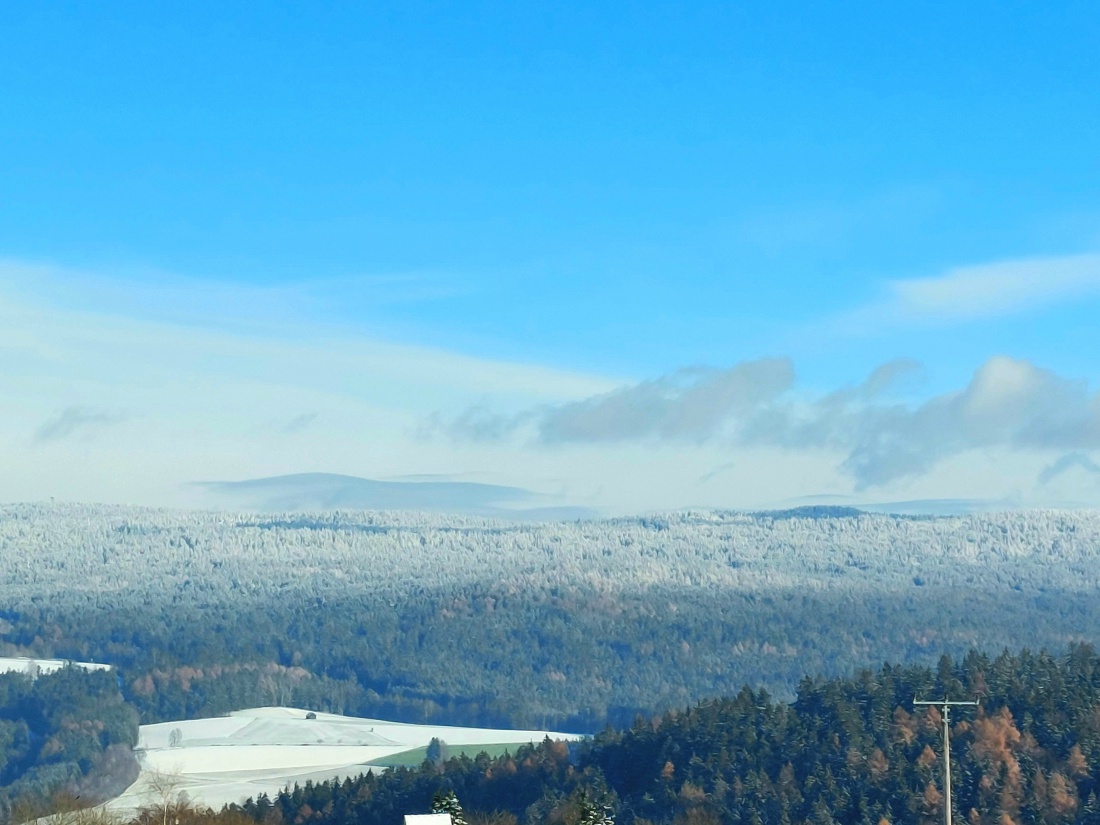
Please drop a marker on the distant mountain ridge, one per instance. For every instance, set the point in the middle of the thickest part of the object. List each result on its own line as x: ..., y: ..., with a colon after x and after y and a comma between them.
x: 815, y: 511
x: 333, y: 491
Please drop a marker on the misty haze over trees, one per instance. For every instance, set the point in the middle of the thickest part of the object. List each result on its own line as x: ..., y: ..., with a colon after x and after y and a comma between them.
x: 559, y: 625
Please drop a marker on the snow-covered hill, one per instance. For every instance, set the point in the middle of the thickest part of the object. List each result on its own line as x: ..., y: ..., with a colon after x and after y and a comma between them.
x: 262, y: 750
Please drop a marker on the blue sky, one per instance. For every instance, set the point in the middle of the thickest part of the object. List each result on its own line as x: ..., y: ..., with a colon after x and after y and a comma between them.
x: 567, y: 200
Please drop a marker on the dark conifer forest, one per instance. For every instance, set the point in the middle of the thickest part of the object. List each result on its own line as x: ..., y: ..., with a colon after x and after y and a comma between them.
x: 67, y: 732
x: 850, y: 750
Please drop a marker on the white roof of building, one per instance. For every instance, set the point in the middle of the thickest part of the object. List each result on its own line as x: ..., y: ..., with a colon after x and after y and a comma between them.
x: 427, y: 819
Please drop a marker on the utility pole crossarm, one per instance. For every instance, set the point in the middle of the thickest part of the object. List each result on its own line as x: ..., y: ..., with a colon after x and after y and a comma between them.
x: 943, y: 702
x: 946, y: 704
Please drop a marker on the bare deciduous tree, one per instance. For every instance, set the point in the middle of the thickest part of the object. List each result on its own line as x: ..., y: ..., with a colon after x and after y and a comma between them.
x: 167, y: 799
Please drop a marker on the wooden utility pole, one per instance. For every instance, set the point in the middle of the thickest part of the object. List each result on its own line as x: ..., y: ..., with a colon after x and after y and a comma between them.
x: 946, y: 705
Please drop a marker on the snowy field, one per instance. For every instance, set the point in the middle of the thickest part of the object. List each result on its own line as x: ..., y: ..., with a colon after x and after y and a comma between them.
x: 263, y: 750
x: 35, y: 667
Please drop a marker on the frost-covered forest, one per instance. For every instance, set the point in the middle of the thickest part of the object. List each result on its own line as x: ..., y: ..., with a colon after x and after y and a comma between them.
x: 429, y: 617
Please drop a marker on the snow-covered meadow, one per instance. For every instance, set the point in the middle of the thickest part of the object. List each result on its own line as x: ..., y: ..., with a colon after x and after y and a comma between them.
x: 262, y: 750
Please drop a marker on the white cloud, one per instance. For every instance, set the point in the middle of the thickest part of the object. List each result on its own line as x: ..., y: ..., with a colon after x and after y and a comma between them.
x: 1008, y: 404
x: 691, y: 404
x: 964, y: 294
x: 214, y: 401
x: 130, y: 346
x: 1067, y: 463
x: 1001, y: 288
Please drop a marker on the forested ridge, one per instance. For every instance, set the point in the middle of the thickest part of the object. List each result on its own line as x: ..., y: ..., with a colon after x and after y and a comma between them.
x: 852, y: 750
x: 559, y: 625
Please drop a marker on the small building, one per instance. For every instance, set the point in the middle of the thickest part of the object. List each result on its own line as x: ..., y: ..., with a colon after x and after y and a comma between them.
x: 427, y: 819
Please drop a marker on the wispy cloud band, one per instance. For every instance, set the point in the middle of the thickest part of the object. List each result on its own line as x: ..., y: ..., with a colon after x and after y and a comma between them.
x: 1001, y: 288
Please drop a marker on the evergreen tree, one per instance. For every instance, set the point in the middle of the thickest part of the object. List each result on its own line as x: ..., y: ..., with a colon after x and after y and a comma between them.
x: 438, y: 752
x: 445, y: 802
x: 593, y: 814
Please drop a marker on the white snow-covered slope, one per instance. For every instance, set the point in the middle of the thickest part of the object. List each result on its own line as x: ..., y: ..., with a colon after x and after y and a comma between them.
x: 36, y: 667
x: 262, y: 750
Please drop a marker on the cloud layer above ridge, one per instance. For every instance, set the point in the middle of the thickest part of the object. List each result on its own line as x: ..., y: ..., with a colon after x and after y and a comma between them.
x: 1008, y: 403
x: 133, y: 402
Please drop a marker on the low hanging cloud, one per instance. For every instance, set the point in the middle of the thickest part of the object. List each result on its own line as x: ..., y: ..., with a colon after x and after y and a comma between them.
x: 73, y: 421
x: 693, y: 404
x: 1070, y: 461
x: 1007, y: 403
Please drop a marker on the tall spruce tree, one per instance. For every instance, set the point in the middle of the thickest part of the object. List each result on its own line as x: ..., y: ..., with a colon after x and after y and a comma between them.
x: 446, y: 802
